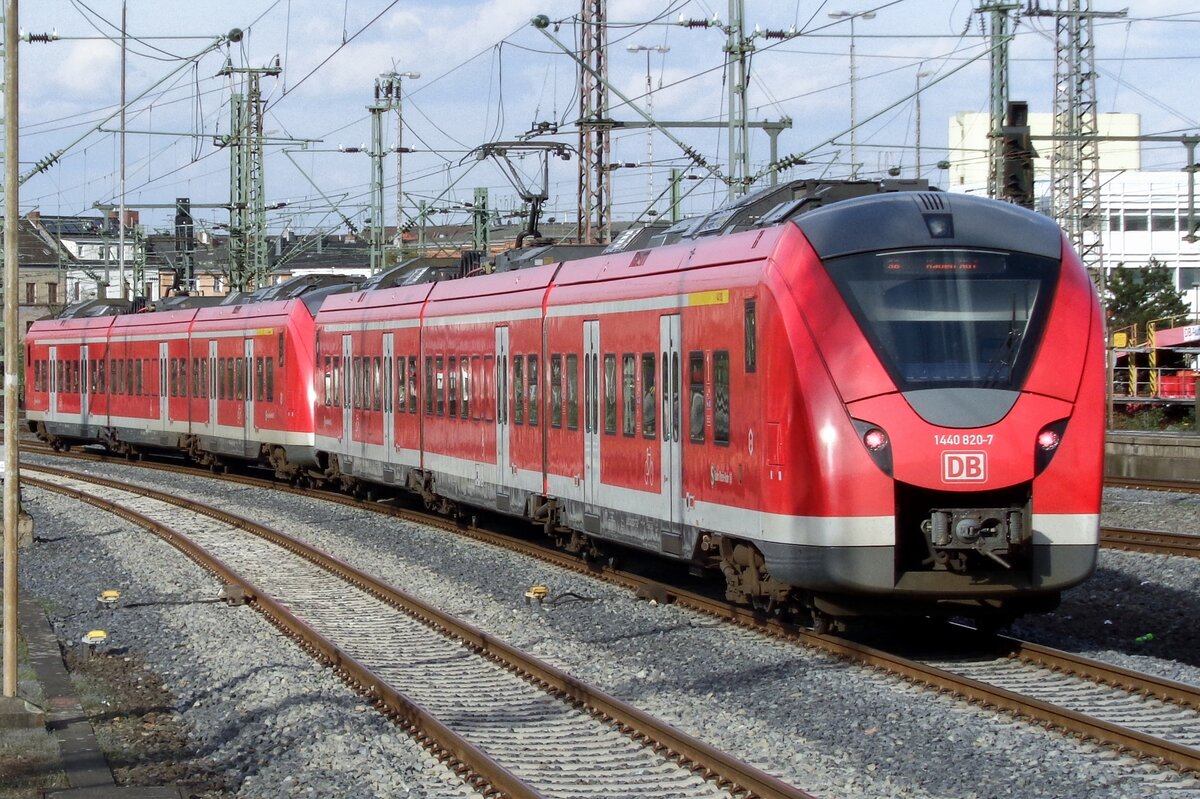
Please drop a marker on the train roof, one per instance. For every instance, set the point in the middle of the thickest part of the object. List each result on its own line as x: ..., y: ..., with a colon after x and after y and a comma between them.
x: 928, y: 219
x: 765, y: 207
x: 311, y: 289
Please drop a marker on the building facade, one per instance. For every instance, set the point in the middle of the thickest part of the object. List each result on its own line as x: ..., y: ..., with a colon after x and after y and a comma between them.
x: 1145, y: 213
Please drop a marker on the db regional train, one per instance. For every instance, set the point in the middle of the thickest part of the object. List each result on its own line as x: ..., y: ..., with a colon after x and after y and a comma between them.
x: 839, y: 397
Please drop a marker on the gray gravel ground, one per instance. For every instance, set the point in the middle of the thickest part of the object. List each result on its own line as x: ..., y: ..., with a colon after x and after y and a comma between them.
x: 834, y: 729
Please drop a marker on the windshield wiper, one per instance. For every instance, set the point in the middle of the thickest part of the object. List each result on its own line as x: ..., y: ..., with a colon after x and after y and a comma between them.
x: 1000, y: 368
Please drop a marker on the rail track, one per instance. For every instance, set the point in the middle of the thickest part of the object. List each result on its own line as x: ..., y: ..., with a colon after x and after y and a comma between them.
x: 1156, y: 543
x: 1150, y: 484
x: 1130, y: 711
x: 508, y: 723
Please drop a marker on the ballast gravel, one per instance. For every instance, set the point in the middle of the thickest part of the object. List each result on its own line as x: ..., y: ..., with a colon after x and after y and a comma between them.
x: 278, y: 725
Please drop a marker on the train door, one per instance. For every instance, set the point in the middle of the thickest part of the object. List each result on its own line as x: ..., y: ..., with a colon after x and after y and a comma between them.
x: 163, y: 409
x: 504, y: 471
x: 346, y: 392
x: 389, y: 396
x: 672, y: 447
x: 247, y: 379
x: 591, y: 411
x: 84, y: 389
x: 212, y: 387
x: 52, y: 407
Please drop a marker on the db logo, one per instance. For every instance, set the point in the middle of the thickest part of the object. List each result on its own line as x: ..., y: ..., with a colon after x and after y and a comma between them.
x: 964, y: 467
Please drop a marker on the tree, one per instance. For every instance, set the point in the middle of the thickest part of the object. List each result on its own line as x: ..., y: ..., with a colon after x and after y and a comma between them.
x: 1137, y: 295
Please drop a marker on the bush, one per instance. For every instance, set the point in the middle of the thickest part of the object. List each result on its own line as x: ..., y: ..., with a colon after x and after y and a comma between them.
x: 1155, y: 418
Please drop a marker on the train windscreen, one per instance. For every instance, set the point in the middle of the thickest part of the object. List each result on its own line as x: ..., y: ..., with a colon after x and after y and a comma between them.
x: 949, y: 318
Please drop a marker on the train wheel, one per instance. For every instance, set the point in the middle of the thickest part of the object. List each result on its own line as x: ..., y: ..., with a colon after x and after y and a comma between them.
x: 821, y: 623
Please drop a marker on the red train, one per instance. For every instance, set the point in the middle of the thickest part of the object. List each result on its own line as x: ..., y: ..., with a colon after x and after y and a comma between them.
x: 887, y: 403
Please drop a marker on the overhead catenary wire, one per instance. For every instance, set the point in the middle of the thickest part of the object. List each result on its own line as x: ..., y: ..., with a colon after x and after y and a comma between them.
x: 422, y: 118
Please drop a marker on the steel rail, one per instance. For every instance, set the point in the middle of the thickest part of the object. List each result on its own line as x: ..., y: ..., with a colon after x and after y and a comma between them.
x: 456, y: 752
x: 1107, y: 673
x: 725, y: 770
x: 1151, y: 541
x: 1152, y: 484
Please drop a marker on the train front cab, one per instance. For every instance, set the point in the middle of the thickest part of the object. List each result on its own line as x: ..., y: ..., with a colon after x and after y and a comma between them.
x: 950, y: 363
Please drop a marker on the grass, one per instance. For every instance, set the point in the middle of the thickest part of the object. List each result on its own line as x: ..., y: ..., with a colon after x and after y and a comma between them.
x: 29, y: 760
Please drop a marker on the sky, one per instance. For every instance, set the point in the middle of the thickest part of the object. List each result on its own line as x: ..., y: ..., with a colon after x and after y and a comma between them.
x: 488, y: 75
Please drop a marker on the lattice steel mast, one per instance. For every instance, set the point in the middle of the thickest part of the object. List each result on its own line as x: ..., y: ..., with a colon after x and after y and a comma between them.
x: 595, y: 198
x: 738, y: 48
x: 1000, y: 38
x: 1075, y: 161
x: 247, y: 211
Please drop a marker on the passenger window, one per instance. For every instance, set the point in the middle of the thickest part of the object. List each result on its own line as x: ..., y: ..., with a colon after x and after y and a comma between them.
x: 452, y: 376
x: 751, y: 330
x: 401, y: 384
x: 364, y: 382
x: 137, y: 365
x: 280, y: 350
x: 377, y: 382
x: 533, y: 390
x: 556, y: 411
x: 649, y: 401
x: 173, y: 376
x: 328, y: 380
x: 270, y: 380
x: 412, y: 384
x: 518, y: 389
x: 676, y: 421
x: 721, y: 397
x: 356, y: 382
x: 489, y: 387
x: 259, y: 387
x: 465, y: 367
x: 440, y: 385
x: 572, y: 392
x: 428, y: 385
x: 629, y: 394
x: 337, y: 381
x: 696, y: 396
x: 385, y: 384
x: 610, y: 393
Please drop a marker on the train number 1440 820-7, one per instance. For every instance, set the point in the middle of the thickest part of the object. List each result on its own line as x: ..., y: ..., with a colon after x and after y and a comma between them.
x: 963, y: 439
